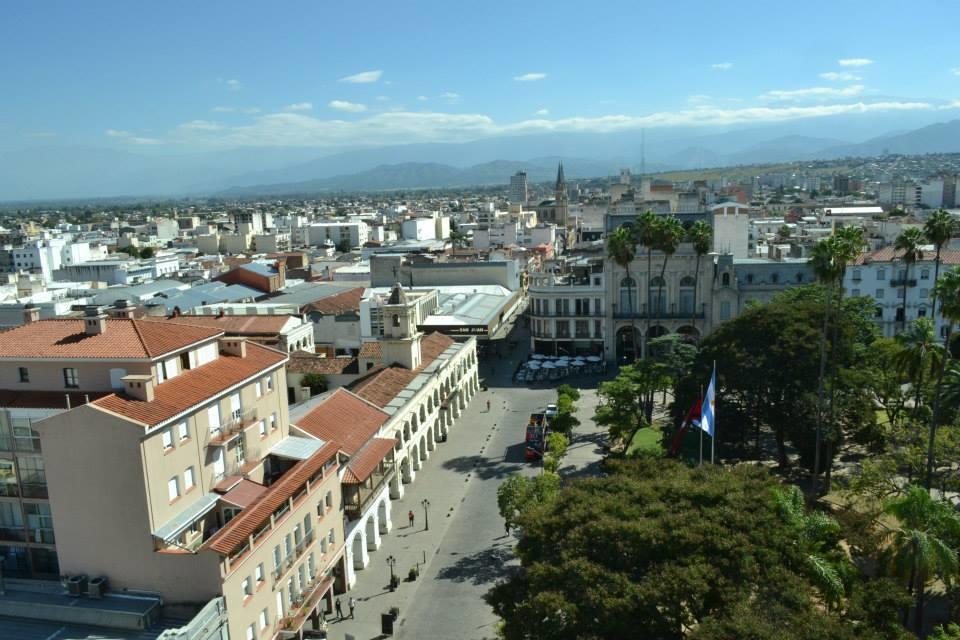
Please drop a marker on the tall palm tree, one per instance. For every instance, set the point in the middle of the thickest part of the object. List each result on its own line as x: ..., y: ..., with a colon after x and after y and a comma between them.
x: 622, y: 249
x: 920, y: 351
x: 670, y: 233
x: 825, y: 259
x: 939, y: 228
x: 701, y: 235
x: 645, y: 229
x: 947, y: 290
x: 919, y: 550
x: 911, y: 242
x: 850, y: 242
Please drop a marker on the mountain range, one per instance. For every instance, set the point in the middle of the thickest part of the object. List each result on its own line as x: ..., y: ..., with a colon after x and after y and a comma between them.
x: 63, y: 172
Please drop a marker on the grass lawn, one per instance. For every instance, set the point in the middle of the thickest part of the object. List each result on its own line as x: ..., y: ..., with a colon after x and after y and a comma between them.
x: 645, y: 438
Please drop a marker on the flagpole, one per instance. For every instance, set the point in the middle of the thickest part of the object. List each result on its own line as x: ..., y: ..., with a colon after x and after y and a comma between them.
x: 700, y: 429
x: 713, y: 440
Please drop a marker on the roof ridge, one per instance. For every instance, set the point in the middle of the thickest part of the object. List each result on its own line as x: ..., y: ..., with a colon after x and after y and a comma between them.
x: 143, y: 342
x: 364, y: 400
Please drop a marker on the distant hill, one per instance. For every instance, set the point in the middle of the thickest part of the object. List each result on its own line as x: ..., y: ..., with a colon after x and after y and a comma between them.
x: 943, y: 137
x: 427, y: 175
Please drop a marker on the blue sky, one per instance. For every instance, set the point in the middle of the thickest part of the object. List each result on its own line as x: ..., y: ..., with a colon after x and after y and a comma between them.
x: 198, y: 75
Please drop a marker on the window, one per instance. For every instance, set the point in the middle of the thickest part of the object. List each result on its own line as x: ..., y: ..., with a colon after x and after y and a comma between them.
x: 879, y: 294
x: 183, y: 430
x: 597, y: 330
x: 395, y: 320
x: 247, y: 587
x: 213, y: 418
x: 924, y: 293
x: 855, y: 292
x: 262, y: 429
x: 725, y: 310
x: 881, y: 274
x: 258, y: 573
x: 328, y: 500
x: 276, y: 557
x: 251, y: 632
x: 264, y: 619
x: 188, y: 482
x: 173, y: 489
x: 269, y: 381
x: 921, y: 312
x: 331, y: 537
x: 628, y: 293
x: 878, y: 313
x: 725, y: 279
x: 273, y: 421
x: 71, y: 380
x: 925, y: 274
x: 259, y: 388
x: 774, y: 278
x: 167, y: 438
x: 900, y: 293
x: 24, y: 374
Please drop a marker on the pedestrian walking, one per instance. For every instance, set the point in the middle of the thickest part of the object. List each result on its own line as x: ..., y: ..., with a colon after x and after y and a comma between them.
x: 410, y: 517
x: 339, y: 608
x: 352, y: 603
x: 488, y: 406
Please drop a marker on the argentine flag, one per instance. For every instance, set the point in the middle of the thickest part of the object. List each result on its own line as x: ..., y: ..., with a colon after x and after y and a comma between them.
x: 707, y: 413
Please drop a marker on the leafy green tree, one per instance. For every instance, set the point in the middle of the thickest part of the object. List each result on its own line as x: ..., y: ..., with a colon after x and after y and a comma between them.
x: 939, y: 228
x: 920, y: 548
x: 700, y: 235
x: 919, y: 352
x: 565, y: 421
x: 566, y: 390
x: 517, y: 494
x: 622, y: 408
x: 315, y: 381
x: 948, y: 632
x: 947, y: 289
x: 910, y: 242
x: 557, y: 444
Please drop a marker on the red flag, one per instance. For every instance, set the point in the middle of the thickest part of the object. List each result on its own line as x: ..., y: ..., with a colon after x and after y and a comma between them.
x: 693, y: 414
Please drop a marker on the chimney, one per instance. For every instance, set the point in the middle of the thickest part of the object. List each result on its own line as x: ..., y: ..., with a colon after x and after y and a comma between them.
x: 31, y: 314
x: 234, y: 346
x: 122, y: 309
x: 94, y: 322
x: 139, y: 386
x: 304, y: 393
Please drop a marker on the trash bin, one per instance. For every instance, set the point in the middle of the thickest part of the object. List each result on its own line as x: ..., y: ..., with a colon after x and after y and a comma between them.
x: 97, y: 587
x: 386, y: 624
x: 76, y: 586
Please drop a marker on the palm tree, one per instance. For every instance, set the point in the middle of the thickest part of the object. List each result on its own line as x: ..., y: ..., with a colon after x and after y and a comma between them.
x: 911, y: 242
x: 919, y: 550
x: 701, y: 235
x: 645, y: 231
x: 919, y: 351
x: 670, y: 233
x: 947, y: 289
x: 825, y: 259
x: 939, y: 228
x: 622, y: 249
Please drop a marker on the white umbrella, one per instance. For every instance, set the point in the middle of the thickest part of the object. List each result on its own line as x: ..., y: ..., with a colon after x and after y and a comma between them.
x: 578, y: 362
x: 593, y: 358
x: 549, y: 365
x: 538, y: 356
x: 533, y: 365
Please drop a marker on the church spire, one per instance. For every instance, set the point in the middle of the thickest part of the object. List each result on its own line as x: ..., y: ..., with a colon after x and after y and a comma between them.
x: 561, y: 182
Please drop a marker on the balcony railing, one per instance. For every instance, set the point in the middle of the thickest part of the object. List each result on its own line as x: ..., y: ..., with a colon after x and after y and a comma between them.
x: 565, y: 314
x: 365, y: 495
x: 231, y: 428
x: 899, y: 282
x: 670, y: 313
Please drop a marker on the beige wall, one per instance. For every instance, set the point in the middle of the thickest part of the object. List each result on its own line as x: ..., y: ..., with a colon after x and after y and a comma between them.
x: 48, y: 376
x: 101, y: 521
x: 246, y: 611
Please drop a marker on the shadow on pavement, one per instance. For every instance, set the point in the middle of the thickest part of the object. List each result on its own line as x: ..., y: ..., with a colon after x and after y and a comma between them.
x: 485, y: 468
x: 483, y: 567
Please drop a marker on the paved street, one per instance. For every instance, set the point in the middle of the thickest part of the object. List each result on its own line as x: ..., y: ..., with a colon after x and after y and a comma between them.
x: 466, y: 549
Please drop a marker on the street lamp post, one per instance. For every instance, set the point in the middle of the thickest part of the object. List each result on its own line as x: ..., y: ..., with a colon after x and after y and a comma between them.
x: 426, y: 513
x: 393, y: 580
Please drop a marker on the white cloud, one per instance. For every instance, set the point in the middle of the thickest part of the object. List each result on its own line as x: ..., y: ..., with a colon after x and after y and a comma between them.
x: 839, y: 76
x: 722, y: 66
x: 300, y: 106
x: 201, y: 125
x: 955, y: 71
x: 542, y: 112
x: 348, y: 107
x: 298, y: 129
x: 383, y: 98
x: 248, y: 110
x: 223, y: 109
x: 530, y: 77
x: 699, y: 98
x: 450, y: 97
x: 364, y: 77
x: 233, y: 84
x: 854, y: 62
x: 814, y: 92
x: 422, y: 98
x: 129, y: 138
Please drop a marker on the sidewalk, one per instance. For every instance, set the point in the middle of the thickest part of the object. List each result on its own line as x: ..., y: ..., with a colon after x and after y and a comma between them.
x: 443, y: 480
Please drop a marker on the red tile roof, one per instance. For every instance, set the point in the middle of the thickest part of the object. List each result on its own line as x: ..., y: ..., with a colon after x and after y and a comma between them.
x: 303, y: 362
x: 889, y: 254
x: 244, y: 493
x: 122, y: 339
x: 236, y: 533
x: 343, y: 418
x: 192, y: 387
x: 12, y: 399
x: 349, y: 300
x: 363, y: 464
x: 371, y: 350
x: 383, y: 386
x: 237, y: 325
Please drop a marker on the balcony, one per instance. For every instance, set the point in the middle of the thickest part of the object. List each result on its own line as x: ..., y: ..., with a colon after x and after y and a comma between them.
x: 670, y: 313
x: 303, y: 607
x: 231, y: 429
x: 355, y: 507
x: 899, y: 282
x: 291, y: 559
x: 564, y: 314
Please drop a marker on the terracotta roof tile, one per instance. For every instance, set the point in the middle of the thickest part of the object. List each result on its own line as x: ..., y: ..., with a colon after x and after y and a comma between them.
x: 122, y: 338
x: 890, y: 254
x: 12, y: 399
x: 367, y: 458
x: 303, y: 362
x: 236, y: 325
x: 383, y: 386
x: 192, y: 387
x: 343, y: 418
x: 349, y: 300
x: 244, y: 493
x: 371, y: 350
x: 237, y: 532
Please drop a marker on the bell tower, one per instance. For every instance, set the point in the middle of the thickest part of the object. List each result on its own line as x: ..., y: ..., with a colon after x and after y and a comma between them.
x: 560, y: 197
x: 401, y: 338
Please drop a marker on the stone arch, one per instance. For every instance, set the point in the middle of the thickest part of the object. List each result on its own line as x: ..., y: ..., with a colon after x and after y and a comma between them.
x: 656, y: 331
x: 370, y: 533
x: 725, y: 279
x: 399, y: 438
x: 626, y: 344
x: 423, y: 414
x: 415, y: 456
x: 383, y: 515
x: 406, y: 473
x: 690, y: 334
x: 423, y: 447
x: 358, y: 549
x: 406, y: 431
